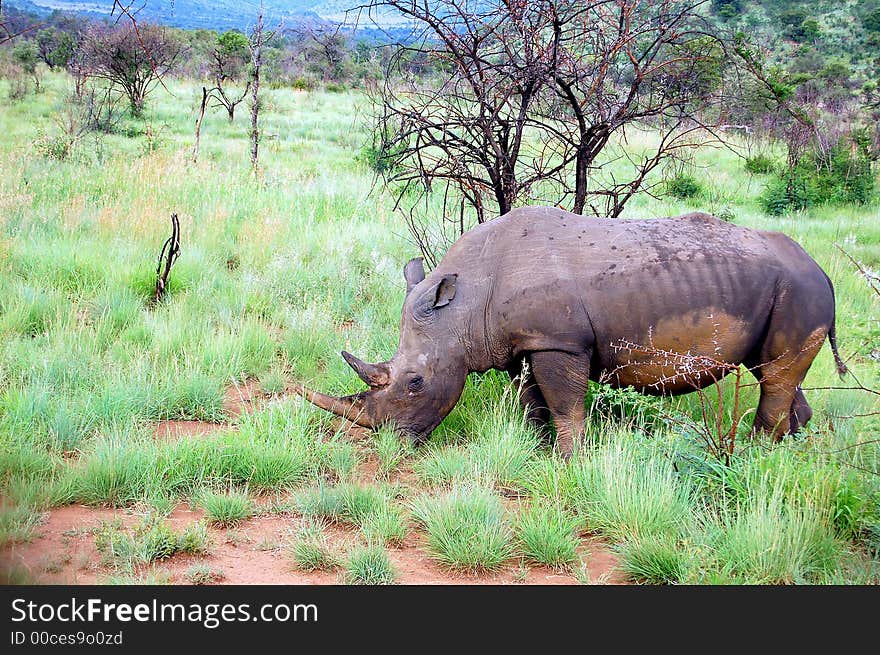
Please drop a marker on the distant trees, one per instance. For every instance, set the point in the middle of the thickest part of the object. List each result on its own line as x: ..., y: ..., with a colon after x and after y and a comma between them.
x: 55, y: 47
x: 830, y: 136
x: 327, y: 51
x: 130, y: 57
x: 27, y: 57
x: 230, y: 62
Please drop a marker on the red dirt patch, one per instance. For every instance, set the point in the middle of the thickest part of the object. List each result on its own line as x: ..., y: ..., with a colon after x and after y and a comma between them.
x: 64, y: 552
x: 241, y: 398
x: 177, y: 429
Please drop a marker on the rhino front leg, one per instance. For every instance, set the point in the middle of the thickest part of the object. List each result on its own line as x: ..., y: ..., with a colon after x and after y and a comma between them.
x: 531, y: 398
x: 564, y: 379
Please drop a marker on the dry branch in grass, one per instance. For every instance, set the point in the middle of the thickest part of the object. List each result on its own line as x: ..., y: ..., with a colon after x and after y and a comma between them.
x: 167, y: 257
x: 689, y: 368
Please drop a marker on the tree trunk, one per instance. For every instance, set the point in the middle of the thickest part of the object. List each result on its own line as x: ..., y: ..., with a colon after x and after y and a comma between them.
x: 257, y: 60
x: 205, y: 94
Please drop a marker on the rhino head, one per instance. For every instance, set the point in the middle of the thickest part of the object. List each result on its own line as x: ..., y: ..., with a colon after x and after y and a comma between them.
x: 419, y: 386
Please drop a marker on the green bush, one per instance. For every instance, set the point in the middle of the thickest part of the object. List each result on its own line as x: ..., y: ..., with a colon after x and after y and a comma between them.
x: 760, y: 165
x: 683, y: 186
x: 781, y: 196
x: 845, y: 175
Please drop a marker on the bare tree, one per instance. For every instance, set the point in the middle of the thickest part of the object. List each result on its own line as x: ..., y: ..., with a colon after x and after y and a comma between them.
x: 130, y: 57
x: 624, y: 64
x: 257, y: 41
x: 11, y: 29
x: 326, y: 50
x: 206, y: 95
x: 528, y: 94
x: 229, y: 61
x: 256, y: 49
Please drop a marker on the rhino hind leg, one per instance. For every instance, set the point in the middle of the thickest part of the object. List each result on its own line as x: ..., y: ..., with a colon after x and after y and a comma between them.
x: 531, y: 399
x: 564, y: 379
x: 783, y: 407
x: 800, y: 413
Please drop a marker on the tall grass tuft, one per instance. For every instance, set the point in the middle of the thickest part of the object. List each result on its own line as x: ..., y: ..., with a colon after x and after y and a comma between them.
x: 547, y: 534
x: 311, y: 549
x: 654, y: 560
x: 467, y: 528
x: 369, y: 565
x: 624, y: 493
x: 774, y: 537
x: 227, y: 509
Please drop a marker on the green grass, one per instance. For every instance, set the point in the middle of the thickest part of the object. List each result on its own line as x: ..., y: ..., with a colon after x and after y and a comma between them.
x: 548, y: 535
x: 625, y: 493
x: 387, y: 525
x: 281, y: 272
x: 346, y: 503
x: 467, y: 526
x: 391, y: 450
x: 369, y: 565
x: 311, y: 549
x: 340, y: 458
x: 502, y: 449
x: 775, y: 537
x: 225, y: 509
x: 18, y: 524
x: 151, y: 540
x: 202, y: 574
x: 654, y: 560
x: 195, y: 539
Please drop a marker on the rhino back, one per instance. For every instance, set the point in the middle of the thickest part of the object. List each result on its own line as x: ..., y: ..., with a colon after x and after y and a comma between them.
x: 543, y: 278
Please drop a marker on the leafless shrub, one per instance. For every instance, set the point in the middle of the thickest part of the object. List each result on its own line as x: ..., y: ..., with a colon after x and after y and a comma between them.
x: 132, y: 58
x: 705, y: 374
x: 525, y: 98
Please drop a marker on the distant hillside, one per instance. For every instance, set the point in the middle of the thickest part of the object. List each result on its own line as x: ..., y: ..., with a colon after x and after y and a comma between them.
x: 210, y: 14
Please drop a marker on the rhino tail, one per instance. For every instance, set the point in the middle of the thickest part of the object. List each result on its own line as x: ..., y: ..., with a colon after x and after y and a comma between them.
x: 842, y: 370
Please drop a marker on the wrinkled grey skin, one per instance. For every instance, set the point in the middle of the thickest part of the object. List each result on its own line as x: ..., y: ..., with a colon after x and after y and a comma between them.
x: 662, y: 305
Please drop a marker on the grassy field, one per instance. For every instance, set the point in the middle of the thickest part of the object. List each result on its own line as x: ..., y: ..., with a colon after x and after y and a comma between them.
x: 277, y: 275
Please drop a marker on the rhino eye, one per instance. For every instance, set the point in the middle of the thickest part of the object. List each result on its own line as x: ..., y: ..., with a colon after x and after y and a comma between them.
x: 415, y: 385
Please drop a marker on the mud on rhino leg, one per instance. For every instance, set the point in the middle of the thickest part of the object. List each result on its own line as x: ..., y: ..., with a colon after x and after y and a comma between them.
x: 783, y: 407
x: 564, y: 379
x: 531, y: 398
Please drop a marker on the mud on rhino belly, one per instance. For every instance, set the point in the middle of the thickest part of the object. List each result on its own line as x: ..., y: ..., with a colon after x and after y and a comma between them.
x: 681, y: 354
x: 663, y: 380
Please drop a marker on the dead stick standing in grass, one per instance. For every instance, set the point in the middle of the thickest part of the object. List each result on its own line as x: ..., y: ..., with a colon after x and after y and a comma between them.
x: 169, y: 254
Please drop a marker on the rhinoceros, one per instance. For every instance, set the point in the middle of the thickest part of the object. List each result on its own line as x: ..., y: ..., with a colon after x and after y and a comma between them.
x: 664, y: 305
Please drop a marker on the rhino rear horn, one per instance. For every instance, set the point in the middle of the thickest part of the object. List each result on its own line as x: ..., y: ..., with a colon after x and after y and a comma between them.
x: 375, y: 375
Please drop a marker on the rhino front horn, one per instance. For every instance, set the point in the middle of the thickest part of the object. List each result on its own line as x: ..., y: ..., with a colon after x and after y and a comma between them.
x: 351, y: 408
x: 375, y: 375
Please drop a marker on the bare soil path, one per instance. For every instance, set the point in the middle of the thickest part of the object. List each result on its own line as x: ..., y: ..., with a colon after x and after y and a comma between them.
x: 63, y: 552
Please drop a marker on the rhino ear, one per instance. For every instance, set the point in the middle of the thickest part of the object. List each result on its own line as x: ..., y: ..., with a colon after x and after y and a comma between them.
x: 445, y: 291
x: 413, y: 273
